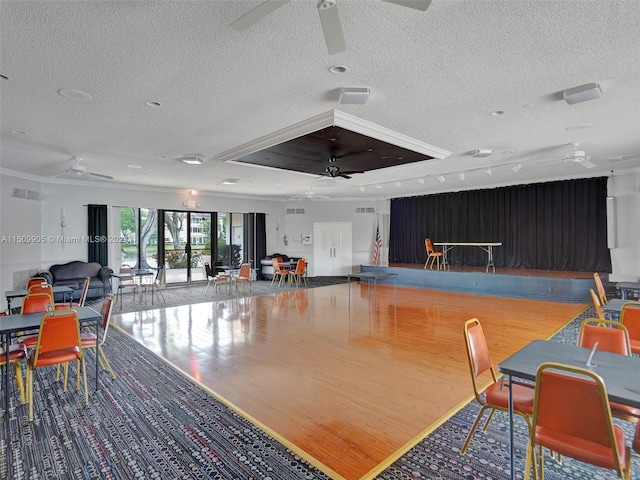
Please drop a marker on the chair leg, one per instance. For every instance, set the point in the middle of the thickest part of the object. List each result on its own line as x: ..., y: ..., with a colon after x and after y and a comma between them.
x: 17, y: 371
x: 106, y: 362
x: 473, y: 429
x: 30, y: 391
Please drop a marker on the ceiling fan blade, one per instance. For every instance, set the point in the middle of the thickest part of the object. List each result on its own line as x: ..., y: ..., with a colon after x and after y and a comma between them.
x: 587, y: 164
x: 99, y: 175
x: 331, y: 26
x: 415, y: 4
x: 344, y: 175
x: 351, y: 172
x: 258, y: 13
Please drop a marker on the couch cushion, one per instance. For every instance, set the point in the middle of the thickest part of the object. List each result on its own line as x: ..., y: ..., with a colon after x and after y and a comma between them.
x: 74, y: 270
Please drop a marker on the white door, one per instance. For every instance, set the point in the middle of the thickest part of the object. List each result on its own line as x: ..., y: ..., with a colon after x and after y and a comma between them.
x: 332, y: 251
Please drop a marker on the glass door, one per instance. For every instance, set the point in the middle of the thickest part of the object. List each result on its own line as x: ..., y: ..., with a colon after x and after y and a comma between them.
x: 187, y: 245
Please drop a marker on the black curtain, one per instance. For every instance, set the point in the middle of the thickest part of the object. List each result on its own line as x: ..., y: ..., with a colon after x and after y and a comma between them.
x: 97, y: 231
x: 255, y: 238
x: 548, y: 226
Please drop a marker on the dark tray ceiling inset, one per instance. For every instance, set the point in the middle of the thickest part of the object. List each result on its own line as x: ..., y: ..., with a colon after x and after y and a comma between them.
x: 311, y: 153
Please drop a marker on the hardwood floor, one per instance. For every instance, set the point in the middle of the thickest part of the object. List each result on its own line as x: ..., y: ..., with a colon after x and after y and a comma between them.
x: 350, y: 390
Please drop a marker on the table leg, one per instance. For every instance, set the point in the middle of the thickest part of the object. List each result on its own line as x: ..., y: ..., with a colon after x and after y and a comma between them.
x: 512, y: 470
x: 490, y: 259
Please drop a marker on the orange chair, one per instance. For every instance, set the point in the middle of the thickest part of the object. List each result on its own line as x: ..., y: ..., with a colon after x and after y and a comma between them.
x: 611, y: 337
x: 244, y: 276
x: 596, y: 304
x: 496, y: 395
x: 17, y: 352
x: 58, y: 343
x: 298, y: 274
x: 630, y: 318
x: 279, y: 271
x: 90, y: 339
x: 600, y: 289
x: 34, y: 303
x: 36, y: 281
x: 582, y: 430
x: 432, y: 255
x: 42, y: 288
x: 636, y: 439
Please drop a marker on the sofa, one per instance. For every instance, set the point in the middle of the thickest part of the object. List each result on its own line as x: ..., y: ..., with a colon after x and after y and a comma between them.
x: 266, y: 264
x: 72, y: 275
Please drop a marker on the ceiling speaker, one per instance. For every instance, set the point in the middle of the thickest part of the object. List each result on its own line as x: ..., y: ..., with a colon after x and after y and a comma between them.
x: 354, y: 95
x: 583, y: 93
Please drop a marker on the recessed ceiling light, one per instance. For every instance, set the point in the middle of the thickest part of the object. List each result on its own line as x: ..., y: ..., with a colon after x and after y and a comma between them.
x: 230, y: 181
x: 497, y: 113
x: 192, y: 160
x: 134, y: 166
x: 461, y: 175
x: 488, y: 171
x: 378, y: 187
x: 398, y: 184
x: 421, y: 181
x: 362, y: 189
x: 338, y: 69
x: 77, y: 95
x: 516, y: 167
x: 441, y: 178
x: 154, y: 104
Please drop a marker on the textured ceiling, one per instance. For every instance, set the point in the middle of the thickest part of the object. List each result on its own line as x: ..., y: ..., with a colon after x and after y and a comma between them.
x: 435, y: 76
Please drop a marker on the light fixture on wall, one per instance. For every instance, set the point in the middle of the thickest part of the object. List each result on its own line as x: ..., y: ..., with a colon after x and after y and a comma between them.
x: 191, y: 203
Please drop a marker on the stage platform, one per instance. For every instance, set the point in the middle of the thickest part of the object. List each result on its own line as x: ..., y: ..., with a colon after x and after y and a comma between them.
x: 555, y: 286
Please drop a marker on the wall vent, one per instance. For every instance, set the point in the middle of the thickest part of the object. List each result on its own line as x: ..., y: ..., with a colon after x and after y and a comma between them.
x: 295, y: 211
x: 365, y: 210
x: 27, y: 194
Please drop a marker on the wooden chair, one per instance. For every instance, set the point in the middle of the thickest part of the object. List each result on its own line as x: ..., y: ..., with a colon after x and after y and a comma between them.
x: 496, y: 395
x: 612, y: 337
x: 432, y: 255
x: 58, y: 343
x: 90, y: 339
x: 244, y: 276
x: 630, y: 318
x: 581, y: 430
x: 17, y: 352
x: 596, y: 304
x: 600, y: 289
x: 279, y: 271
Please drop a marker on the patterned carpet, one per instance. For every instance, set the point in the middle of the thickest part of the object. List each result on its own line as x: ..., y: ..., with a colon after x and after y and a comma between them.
x: 153, y: 423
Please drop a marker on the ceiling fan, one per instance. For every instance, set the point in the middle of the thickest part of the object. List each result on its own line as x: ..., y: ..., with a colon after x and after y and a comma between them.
x: 329, y: 18
x: 76, y: 169
x: 575, y: 156
x: 333, y: 170
x: 308, y: 195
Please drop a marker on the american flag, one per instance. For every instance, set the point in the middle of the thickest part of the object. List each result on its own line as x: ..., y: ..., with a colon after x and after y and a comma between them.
x: 377, y: 247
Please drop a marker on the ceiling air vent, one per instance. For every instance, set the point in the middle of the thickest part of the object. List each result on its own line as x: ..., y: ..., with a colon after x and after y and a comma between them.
x: 365, y: 210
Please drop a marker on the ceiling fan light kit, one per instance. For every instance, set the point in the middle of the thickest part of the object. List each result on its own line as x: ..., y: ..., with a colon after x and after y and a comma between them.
x: 583, y: 93
x: 354, y: 95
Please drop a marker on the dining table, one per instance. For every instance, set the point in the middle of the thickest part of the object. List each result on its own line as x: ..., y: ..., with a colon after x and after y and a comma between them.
x: 621, y: 373
x: 12, y: 294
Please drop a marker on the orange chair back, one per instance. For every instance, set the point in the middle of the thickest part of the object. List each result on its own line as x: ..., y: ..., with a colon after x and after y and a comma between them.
x: 36, y: 303
x: 105, y: 314
x: 36, y: 281
x: 477, y: 353
x: 85, y: 290
x: 611, y: 336
x: 245, y: 271
x: 582, y: 430
x: 428, y: 245
x: 630, y: 318
x: 596, y: 304
x: 277, y: 265
x: 600, y: 288
x: 301, y: 266
x: 58, y: 338
x: 43, y: 288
